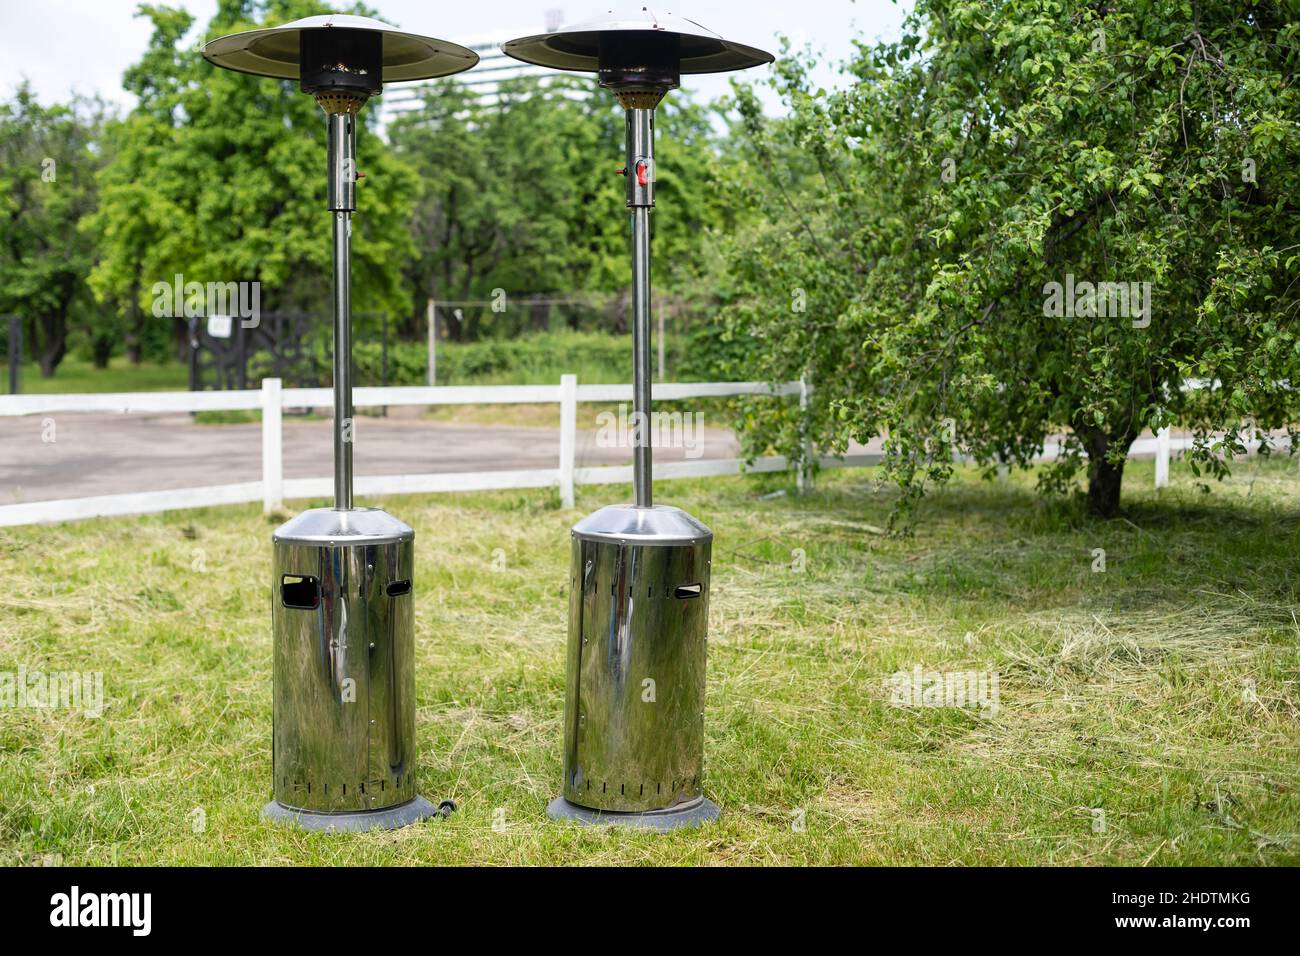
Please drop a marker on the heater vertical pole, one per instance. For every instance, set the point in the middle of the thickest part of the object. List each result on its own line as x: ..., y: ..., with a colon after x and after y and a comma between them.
x: 343, y: 748
x: 640, y: 573
x: 640, y: 176
x: 342, y: 202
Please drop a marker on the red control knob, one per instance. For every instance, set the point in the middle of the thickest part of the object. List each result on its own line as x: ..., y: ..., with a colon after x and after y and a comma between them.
x: 642, y: 168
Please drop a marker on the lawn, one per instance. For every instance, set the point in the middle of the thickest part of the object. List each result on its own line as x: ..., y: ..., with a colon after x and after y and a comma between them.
x: 1147, y: 713
x: 534, y: 359
x: 78, y: 376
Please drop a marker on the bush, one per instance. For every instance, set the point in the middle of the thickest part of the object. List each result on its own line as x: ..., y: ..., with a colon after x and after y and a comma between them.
x: 540, y: 359
x: 597, y: 358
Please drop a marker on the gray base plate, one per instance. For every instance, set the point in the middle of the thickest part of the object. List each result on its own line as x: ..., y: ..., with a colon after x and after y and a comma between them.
x: 389, y: 818
x: 690, y: 814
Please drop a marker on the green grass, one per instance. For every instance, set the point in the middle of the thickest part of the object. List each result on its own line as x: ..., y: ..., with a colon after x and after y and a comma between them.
x: 1124, y: 691
x: 533, y: 359
x: 78, y: 376
x: 552, y: 354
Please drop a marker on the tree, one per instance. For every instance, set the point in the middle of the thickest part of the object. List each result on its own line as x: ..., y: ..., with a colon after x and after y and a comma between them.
x: 47, y: 184
x: 219, y: 177
x: 962, y: 217
x: 520, y: 192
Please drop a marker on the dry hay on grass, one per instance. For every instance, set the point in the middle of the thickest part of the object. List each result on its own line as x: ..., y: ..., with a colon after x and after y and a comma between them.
x: 1124, y: 647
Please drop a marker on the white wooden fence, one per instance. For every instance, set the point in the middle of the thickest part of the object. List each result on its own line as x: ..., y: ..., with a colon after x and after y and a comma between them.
x: 274, y: 488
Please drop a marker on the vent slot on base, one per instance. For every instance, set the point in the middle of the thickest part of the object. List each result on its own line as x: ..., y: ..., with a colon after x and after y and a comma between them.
x: 300, y: 591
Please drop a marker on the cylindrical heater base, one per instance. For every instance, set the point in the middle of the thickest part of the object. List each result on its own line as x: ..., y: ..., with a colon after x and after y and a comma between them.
x: 690, y: 814
x: 391, y: 818
x: 634, y: 702
x: 343, y: 733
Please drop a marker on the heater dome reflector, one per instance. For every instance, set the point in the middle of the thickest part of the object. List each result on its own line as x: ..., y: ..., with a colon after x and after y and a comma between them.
x: 276, y: 51
x: 578, y: 47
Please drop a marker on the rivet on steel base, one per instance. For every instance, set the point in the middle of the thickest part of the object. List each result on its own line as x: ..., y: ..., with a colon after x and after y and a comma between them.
x: 357, y: 821
x: 693, y: 814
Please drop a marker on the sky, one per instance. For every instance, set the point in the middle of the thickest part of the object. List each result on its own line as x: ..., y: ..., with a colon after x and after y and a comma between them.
x: 82, y: 46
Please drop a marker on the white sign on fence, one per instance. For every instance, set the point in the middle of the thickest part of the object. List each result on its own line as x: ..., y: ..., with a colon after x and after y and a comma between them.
x: 219, y: 326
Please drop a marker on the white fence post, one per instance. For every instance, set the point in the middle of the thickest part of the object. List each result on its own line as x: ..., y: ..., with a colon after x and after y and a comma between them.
x: 432, y: 372
x: 1162, y: 458
x: 273, y: 488
x: 568, y: 437
x: 803, y: 477
x: 272, y: 446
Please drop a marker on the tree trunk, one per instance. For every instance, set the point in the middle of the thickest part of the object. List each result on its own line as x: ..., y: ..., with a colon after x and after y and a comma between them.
x: 181, y: 330
x: 49, y: 361
x: 52, y: 346
x: 101, y: 350
x: 1105, y: 478
x: 135, y: 337
x: 1104, y: 482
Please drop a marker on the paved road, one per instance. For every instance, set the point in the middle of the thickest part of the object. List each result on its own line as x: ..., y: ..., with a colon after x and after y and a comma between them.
x: 116, y: 454
x: 105, y: 454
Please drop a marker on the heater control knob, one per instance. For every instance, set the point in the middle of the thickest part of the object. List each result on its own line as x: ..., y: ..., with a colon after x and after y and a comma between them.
x: 641, y: 186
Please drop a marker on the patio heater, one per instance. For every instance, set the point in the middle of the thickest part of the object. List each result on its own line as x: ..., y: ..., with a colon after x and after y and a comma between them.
x: 639, y: 582
x: 343, y: 724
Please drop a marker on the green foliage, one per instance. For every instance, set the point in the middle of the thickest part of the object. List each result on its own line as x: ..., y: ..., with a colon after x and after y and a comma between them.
x: 47, y: 183
x: 1001, y: 146
x: 220, y: 177
x: 530, y: 360
x: 522, y: 194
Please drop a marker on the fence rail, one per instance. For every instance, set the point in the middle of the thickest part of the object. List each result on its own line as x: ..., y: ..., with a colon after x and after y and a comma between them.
x: 274, y: 488
x: 272, y: 399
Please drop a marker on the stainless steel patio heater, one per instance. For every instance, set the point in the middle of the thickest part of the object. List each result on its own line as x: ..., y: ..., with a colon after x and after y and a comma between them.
x: 343, y: 724
x: 639, y: 585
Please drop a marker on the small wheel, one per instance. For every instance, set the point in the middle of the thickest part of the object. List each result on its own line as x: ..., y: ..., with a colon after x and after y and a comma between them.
x: 446, y: 808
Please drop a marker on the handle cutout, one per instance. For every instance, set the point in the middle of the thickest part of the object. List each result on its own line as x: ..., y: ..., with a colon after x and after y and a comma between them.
x: 687, y: 591
x: 398, y: 588
x: 300, y: 591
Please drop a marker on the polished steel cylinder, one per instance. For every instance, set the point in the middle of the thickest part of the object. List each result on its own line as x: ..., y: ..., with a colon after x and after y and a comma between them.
x: 640, y: 174
x: 342, y: 200
x: 638, y: 626
x: 341, y: 160
x: 640, y: 145
x: 343, y: 662
x: 343, y: 413
x: 642, y: 452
